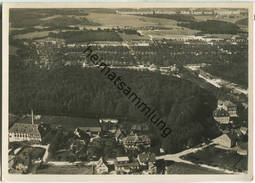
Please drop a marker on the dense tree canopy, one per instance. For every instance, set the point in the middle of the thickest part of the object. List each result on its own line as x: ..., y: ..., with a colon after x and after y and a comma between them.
x: 76, y: 91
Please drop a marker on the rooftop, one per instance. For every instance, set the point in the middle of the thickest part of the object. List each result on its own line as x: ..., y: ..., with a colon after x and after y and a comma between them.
x: 125, y: 158
x: 24, y: 128
x: 220, y: 113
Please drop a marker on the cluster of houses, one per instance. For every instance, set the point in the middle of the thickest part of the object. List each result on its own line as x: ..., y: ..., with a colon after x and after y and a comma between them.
x: 25, y: 132
x: 145, y: 162
x: 225, y: 114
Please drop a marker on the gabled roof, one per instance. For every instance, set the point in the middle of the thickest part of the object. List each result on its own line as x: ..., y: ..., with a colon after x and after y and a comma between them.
x: 136, y: 138
x: 124, y: 158
x: 30, y: 129
x: 102, y: 162
x: 229, y: 104
x: 220, y: 113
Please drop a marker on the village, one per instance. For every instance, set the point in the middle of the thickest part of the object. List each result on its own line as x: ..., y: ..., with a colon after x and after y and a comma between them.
x: 132, y: 154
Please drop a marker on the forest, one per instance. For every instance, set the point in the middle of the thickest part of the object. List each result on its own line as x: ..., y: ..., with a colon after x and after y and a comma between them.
x: 75, y: 91
x: 212, y: 27
x: 87, y: 35
x: 176, y: 17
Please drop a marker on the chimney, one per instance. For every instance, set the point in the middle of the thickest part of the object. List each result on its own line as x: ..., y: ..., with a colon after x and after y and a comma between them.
x: 32, y: 116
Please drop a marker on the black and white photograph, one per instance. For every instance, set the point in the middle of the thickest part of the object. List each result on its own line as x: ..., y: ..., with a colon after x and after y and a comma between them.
x: 126, y: 90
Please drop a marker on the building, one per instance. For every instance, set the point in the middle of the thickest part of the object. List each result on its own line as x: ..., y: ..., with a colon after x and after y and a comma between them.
x: 242, y: 148
x: 126, y: 168
x: 146, y: 158
x: 120, y: 160
x: 108, y: 120
x: 244, y: 130
x: 230, y: 107
x: 222, y: 116
x: 226, y: 140
x: 24, y: 132
x: 92, y: 131
x: 132, y: 142
x: 152, y: 168
x: 109, y: 125
x: 101, y: 166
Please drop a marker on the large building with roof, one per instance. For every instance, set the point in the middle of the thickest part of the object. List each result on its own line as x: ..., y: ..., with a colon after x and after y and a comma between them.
x: 222, y: 116
x: 134, y: 141
x: 24, y: 132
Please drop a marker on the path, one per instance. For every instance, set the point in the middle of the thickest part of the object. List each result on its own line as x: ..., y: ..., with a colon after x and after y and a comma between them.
x: 176, y: 158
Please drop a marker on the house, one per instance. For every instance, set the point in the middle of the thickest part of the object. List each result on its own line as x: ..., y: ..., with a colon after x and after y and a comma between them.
x: 77, y: 145
x: 146, y: 158
x: 244, y: 130
x: 24, y: 132
x: 126, y: 168
x: 108, y: 120
x: 122, y: 160
x: 222, y: 116
x: 109, y: 125
x: 226, y: 140
x: 152, y: 168
x: 132, y: 142
x: 230, y: 107
x: 101, y: 166
x: 92, y: 131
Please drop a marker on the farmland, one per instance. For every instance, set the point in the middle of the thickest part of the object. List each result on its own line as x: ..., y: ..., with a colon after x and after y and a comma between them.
x: 183, y: 168
x: 212, y: 156
x: 114, y: 20
x: 32, y: 35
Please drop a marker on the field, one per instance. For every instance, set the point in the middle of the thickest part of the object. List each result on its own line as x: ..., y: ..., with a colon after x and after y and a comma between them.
x: 114, y: 20
x: 168, y: 34
x: 183, y: 168
x: 32, y: 35
x: 225, y: 159
x: 65, y: 169
x: 129, y: 37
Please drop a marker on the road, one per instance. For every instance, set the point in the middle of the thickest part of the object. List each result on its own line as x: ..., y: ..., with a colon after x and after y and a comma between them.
x: 217, y: 82
x: 176, y: 158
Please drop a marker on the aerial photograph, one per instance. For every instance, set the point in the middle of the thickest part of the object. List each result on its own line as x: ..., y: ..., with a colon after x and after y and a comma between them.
x: 128, y: 91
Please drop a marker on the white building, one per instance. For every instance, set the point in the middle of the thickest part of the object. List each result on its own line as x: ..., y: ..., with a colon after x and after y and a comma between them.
x: 24, y: 132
